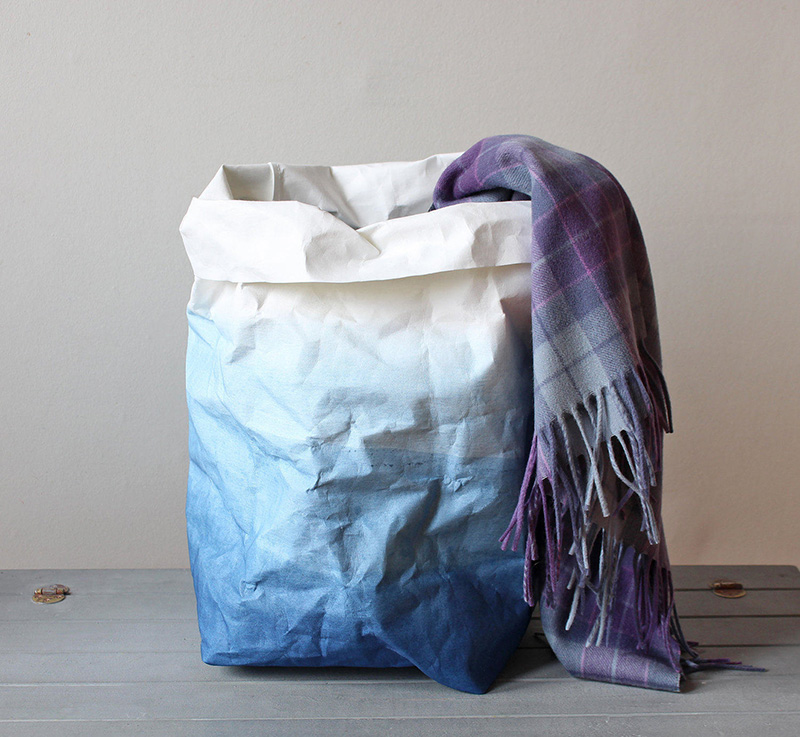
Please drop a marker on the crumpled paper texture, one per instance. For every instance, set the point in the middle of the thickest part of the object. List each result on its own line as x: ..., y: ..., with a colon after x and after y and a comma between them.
x: 358, y: 379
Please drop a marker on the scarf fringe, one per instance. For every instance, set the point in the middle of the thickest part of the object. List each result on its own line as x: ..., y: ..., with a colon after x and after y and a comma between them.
x: 693, y: 663
x: 563, y: 486
x: 643, y: 401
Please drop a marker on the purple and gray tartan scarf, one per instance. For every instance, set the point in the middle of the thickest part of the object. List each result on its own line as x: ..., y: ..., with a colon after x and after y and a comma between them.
x: 590, y: 503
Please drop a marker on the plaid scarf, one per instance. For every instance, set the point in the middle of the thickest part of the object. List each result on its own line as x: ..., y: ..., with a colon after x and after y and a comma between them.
x: 590, y: 502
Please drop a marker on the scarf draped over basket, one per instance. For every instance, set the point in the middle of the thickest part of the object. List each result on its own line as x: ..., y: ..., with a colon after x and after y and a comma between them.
x: 361, y: 417
x: 590, y: 502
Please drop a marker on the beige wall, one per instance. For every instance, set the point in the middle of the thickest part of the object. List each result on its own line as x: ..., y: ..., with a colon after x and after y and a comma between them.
x: 115, y: 114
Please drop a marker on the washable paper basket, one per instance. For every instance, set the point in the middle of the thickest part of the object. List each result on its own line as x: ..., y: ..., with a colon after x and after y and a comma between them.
x: 358, y: 379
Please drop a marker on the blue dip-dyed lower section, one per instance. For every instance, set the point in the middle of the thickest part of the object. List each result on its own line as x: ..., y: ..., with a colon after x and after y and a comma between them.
x: 342, y: 552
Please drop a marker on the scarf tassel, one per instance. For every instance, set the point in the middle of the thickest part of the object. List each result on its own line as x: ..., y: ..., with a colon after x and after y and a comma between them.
x: 563, y: 485
x: 642, y: 398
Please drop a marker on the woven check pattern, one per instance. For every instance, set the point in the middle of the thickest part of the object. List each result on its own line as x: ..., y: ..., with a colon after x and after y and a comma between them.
x: 590, y: 504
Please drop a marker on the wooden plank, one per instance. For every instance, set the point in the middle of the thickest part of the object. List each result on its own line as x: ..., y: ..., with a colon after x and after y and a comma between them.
x: 147, y: 606
x: 183, y: 636
x: 720, y: 631
x: 734, y: 631
x: 775, y: 724
x: 756, y: 603
x: 159, y: 605
x: 752, y: 577
x: 179, y: 580
x: 100, y: 636
x: 277, y: 699
x: 100, y: 580
x: 158, y: 667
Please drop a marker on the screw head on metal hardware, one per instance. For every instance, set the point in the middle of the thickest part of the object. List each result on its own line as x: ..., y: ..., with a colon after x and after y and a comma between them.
x: 50, y: 594
x: 728, y: 589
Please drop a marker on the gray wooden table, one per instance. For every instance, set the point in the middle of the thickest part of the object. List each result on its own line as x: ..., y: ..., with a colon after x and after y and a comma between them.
x: 120, y: 656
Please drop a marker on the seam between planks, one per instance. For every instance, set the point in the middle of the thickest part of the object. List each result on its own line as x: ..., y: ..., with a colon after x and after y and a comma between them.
x: 312, y: 682
x: 616, y: 715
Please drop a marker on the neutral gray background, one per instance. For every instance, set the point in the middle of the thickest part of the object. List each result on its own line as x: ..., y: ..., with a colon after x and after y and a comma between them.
x: 115, y: 114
